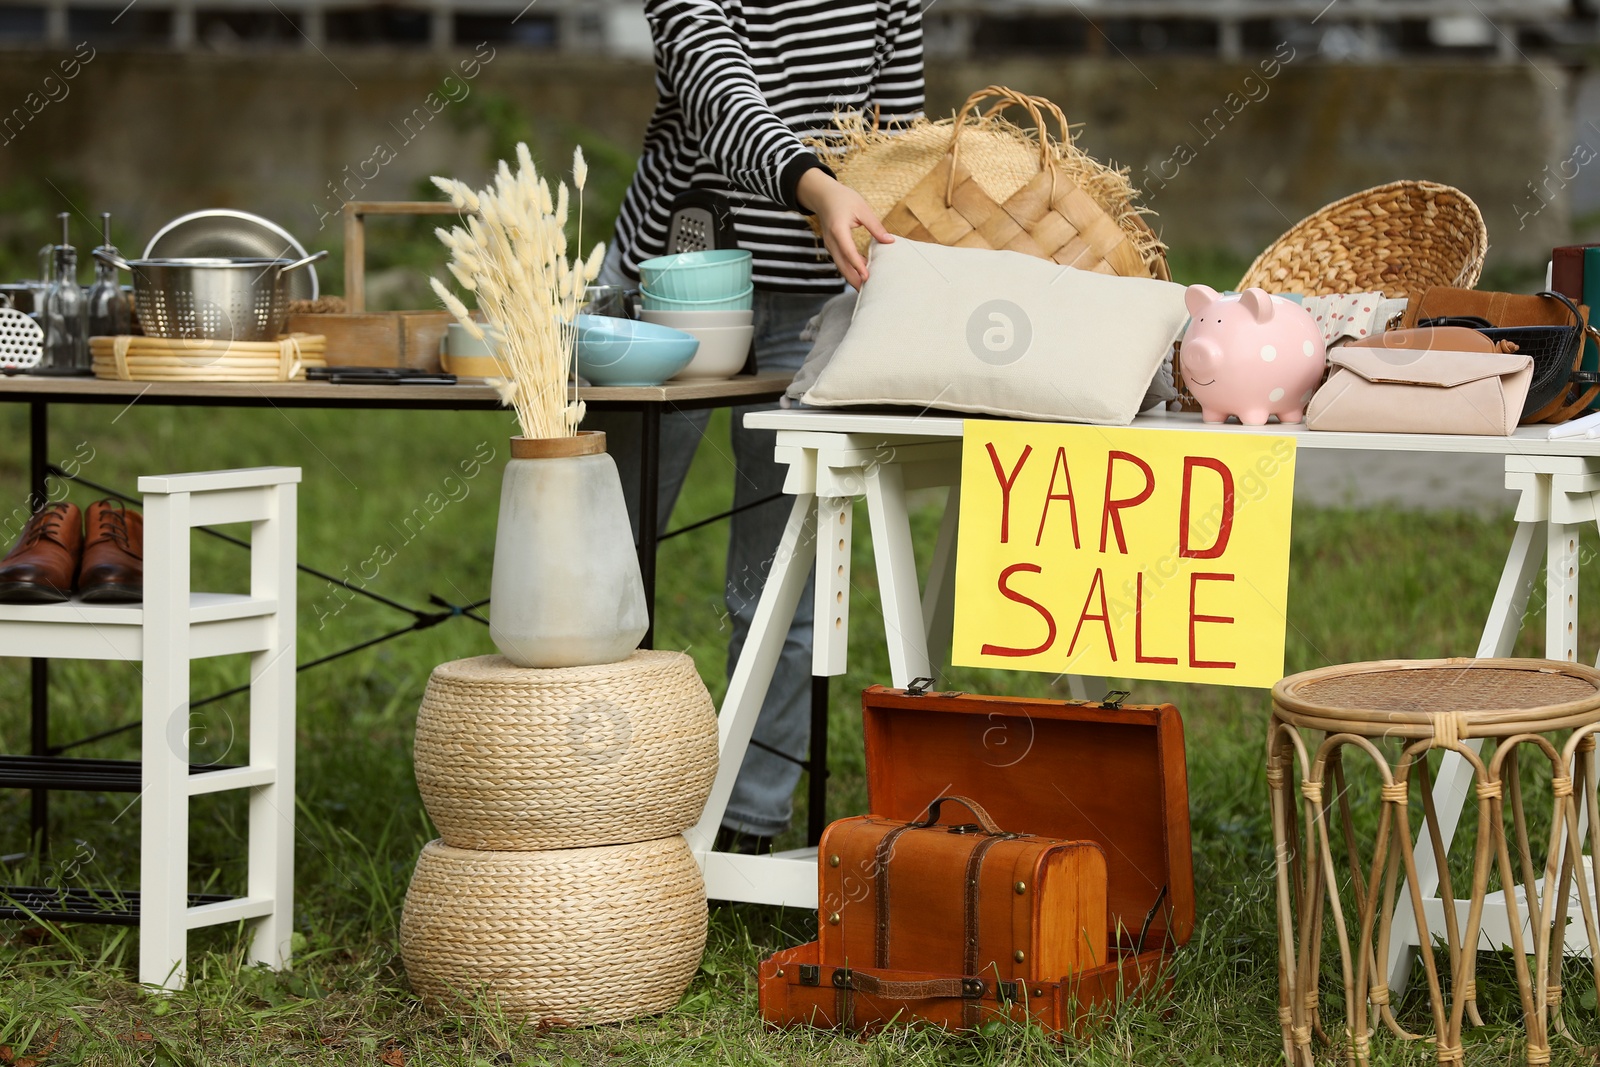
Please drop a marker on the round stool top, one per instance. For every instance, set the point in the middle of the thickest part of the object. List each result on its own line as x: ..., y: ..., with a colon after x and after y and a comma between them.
x: 1407, y: 698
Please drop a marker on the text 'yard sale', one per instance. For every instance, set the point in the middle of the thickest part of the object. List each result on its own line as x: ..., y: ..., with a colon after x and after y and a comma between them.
x: 1133, y: 553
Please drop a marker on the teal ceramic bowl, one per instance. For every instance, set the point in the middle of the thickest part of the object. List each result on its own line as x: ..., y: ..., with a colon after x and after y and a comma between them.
x: 715, y: 274
x: 740, y: 302
x: 613, y: 351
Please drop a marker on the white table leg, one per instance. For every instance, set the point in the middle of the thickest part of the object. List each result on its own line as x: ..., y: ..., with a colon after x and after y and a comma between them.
x: 830, y: 631
x: 904, y: 631
x: 747, y: 689
x: 939, y: 598
x: 1454, y: 781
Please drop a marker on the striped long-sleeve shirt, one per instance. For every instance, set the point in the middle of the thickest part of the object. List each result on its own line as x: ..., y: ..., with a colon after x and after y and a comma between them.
x: 740, y: 83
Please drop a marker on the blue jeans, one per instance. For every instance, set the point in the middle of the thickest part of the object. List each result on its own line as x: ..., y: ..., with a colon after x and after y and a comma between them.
x: 763, y: 796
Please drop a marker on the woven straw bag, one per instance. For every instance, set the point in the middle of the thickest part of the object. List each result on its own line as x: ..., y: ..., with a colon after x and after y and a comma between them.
x: 978, y: 181
x: 1399, y: 239
x: 569, y: 936
x: 514, y: 758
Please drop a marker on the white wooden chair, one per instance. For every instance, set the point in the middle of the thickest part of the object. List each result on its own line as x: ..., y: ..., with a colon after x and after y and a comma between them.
x: 171, y: 628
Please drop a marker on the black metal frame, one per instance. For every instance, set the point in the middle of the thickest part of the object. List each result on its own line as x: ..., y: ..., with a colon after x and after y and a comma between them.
x: 46, y: 769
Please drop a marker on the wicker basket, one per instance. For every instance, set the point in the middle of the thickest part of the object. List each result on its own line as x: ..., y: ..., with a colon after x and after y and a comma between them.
x: 1398, y: 238
x: 175, y: 359
x: 571, y: 936
x: 514, y: 758
x: 979, y: 181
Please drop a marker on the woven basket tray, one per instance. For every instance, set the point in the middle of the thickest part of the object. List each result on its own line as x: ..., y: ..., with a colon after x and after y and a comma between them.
x: 171, y: 359
x: 570, y: 936
x: 511, y: 757
x: 1399, y: 239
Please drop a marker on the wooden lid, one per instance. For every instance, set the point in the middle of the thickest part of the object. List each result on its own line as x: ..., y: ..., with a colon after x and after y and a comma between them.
x: 586, y: 443
x: 1064, y: 769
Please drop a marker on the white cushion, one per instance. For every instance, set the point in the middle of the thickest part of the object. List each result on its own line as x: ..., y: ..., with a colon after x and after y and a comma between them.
x: 1001, y: 333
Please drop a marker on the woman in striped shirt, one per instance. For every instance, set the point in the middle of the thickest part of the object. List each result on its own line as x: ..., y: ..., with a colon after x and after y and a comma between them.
x: 741, y: 84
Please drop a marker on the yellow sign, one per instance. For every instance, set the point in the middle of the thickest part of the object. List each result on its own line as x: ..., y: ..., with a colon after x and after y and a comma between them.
x: 1126, y: 553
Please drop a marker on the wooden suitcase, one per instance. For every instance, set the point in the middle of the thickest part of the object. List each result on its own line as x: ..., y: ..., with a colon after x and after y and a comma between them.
x: 1075, y: 771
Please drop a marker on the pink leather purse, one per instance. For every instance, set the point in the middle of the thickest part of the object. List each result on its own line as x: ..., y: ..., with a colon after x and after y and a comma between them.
x: 1381, y: 389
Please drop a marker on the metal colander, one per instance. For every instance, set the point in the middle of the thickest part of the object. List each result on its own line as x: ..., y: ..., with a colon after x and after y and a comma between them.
x: 211, y: 299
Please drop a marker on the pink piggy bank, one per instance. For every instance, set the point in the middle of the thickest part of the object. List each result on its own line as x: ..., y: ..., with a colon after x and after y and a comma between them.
x: 1251, y: 355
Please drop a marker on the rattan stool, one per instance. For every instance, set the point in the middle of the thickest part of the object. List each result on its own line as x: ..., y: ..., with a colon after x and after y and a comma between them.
x: 1423, y: 705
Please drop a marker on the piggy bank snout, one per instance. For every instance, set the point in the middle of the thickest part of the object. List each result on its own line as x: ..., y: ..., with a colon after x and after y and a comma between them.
x: 1202, y: 354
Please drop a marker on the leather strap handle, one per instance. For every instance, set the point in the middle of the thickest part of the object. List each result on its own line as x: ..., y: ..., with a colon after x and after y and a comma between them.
x: 988, y: 824
x: 922, y: 989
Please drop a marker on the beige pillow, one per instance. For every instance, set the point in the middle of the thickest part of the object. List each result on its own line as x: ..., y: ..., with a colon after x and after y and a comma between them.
x: 1001, y: 333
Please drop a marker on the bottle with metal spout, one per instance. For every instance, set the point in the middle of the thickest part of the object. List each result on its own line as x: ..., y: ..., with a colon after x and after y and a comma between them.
x: 108, y: 307
x: 66, y: 314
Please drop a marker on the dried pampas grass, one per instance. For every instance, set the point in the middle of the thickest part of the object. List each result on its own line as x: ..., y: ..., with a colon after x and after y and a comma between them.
x: 511, y: 254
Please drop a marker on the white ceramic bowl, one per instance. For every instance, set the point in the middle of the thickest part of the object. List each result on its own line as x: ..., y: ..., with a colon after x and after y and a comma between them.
x: 722, y: 352
x: 685, y: 320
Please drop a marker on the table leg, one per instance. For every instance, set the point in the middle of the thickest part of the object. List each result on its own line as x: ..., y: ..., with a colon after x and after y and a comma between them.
x: 752, y: 675
x: 1453, y: 783
x: 39, y: 675
x: 903, y: 627
x: 817, y: 764
x: 649, y: 503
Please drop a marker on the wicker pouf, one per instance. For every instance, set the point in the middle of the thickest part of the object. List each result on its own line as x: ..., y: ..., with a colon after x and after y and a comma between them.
x: 566, y: 937
x: 1534, y: 715
x: 512, y: 758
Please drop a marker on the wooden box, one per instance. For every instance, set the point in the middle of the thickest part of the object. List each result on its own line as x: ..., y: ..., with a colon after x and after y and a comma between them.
x: 378, y: 339
x: 1066, y: 770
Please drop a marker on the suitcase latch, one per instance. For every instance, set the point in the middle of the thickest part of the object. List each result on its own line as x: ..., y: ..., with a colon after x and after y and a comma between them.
x: 919, y: 687
x: 1005, y: 992
x: 810, y: 974
x: 1113, y: 700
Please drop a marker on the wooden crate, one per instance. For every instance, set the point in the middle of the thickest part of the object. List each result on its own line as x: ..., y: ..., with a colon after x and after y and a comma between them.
x: 379, y: 339
x: 382, y: 338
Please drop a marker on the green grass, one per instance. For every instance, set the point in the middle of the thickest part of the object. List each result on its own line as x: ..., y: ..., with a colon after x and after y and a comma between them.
x: 1364, y: 585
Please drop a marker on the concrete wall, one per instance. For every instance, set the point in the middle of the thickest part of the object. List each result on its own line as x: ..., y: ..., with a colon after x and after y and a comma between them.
x: 152, y: 136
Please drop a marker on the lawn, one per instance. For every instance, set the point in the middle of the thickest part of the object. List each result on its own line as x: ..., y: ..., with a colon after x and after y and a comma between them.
x: 1364, y: 585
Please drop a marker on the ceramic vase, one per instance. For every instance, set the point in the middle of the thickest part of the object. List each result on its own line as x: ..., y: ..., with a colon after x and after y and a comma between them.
x: 566, y: 590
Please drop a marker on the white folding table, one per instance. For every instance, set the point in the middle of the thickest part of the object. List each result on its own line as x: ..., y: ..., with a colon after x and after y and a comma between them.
x: 833, y: 458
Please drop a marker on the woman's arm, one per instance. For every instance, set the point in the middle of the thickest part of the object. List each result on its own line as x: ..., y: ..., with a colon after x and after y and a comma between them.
x: 704, y: 64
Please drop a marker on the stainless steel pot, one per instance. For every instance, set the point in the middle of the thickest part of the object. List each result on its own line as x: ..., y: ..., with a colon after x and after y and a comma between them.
x: 211, y: 299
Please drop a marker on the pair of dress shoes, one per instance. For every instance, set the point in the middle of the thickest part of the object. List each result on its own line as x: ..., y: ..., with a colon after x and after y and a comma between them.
x: 100, y: 555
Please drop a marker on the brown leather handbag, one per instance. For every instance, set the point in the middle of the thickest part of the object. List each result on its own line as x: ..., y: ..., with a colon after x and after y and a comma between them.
x: 953, y: 924
x: 1548, y: 327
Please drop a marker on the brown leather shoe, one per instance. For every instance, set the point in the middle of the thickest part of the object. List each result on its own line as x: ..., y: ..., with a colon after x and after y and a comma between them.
x: 113, y: 555
x: 40, y: 567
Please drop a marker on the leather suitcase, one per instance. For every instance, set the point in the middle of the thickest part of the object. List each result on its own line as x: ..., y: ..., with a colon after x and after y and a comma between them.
x: 1108, y: 772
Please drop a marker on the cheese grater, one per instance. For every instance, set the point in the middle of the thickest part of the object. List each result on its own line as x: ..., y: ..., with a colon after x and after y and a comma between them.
x: 703, y: 221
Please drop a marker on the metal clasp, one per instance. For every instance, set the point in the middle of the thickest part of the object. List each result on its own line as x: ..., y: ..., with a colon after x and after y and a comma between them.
x: 841, y: 978
x: 972, y: 988
x: 919, y: 687
x: 810, y: 974
x: 1113, y: 700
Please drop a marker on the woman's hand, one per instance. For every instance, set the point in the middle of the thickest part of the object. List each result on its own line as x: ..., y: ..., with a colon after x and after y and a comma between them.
x: 839, y: 210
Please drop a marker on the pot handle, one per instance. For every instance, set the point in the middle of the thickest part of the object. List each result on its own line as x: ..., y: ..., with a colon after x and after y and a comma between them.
x: 297, y: 264
x: 113, y: 259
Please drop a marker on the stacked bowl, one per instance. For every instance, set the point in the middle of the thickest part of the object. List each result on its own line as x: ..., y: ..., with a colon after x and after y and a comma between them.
x: 708, y: 295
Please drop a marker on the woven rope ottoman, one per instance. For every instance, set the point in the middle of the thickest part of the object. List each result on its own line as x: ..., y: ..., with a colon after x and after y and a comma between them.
x: 1537, y: 718
x: 562, y: 889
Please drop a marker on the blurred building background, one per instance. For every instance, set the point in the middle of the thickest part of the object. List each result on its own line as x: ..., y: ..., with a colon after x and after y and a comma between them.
x: 1236, y: 117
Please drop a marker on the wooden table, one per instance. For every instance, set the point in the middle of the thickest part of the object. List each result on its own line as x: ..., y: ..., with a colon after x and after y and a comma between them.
x: 837, y: 457
x: 39, y: 392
